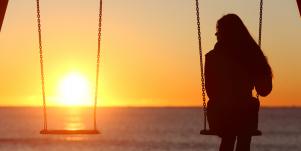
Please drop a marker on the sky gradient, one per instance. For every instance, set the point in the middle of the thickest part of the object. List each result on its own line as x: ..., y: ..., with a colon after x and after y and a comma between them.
x: 149, y: 49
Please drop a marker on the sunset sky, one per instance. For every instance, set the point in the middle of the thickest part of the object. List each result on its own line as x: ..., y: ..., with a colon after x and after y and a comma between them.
x: 149, y: 52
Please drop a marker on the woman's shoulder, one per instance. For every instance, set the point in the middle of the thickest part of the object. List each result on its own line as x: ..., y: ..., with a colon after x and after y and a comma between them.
x: 211, y: 53
x: 215, y: 51
x: 214, y: 54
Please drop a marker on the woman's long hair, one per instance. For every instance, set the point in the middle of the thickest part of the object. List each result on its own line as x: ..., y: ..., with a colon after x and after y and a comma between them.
x: 233, y: 31
x: 235, y: 35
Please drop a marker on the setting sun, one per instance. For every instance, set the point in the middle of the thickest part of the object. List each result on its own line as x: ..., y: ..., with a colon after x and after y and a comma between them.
x: 74, y: 90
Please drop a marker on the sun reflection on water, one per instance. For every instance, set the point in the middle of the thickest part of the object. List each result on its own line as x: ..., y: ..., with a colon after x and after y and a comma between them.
x: 71, y: 118
x: 75, y: 120
x: 74, y: 138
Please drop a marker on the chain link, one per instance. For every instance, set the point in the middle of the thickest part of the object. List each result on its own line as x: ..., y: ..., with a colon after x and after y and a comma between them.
x: 260, y: 29
x: 201, y: 63
x: 260, y: 23
x: 41, y: 63
x: 97, y: 61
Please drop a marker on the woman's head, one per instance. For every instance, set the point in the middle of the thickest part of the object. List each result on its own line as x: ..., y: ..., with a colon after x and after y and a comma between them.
x: 232, y: 32
x: 231, y: 29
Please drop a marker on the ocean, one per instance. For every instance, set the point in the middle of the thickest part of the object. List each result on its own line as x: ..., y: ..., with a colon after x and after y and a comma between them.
x: 137, y: 129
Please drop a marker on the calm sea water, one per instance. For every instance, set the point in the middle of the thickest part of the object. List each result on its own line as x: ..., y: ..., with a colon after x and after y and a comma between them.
x: 138, y: 129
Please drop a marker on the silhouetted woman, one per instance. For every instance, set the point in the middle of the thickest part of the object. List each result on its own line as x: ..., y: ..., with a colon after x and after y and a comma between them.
x: 232, y: 69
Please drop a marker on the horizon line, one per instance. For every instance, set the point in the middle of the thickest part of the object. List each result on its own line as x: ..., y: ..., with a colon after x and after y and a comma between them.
x: 121, y: 106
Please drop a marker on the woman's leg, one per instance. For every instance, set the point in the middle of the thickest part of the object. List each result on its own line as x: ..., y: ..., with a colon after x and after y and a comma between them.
x: 227, y: 143
x: 243, y: 143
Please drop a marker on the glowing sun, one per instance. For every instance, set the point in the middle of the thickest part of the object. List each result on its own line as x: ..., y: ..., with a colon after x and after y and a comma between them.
x: 74, y: 90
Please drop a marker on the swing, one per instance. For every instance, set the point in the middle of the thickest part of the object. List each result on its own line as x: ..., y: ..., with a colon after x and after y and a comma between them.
x: 45, y: 130
x: 206, y: 131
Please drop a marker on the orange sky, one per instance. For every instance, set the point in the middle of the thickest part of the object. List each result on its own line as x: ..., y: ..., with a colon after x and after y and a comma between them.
x: 149, y: 49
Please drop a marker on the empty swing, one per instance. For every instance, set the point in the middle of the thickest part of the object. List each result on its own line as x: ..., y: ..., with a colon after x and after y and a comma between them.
x: 45, y: 129
x: 205, y: 130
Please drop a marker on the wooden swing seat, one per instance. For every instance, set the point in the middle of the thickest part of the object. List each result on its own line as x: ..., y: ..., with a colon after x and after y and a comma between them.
x: 68, y: 132
x: 210, y: 132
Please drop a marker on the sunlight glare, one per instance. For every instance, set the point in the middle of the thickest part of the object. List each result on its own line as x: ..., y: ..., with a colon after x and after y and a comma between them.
x: 74, y: 90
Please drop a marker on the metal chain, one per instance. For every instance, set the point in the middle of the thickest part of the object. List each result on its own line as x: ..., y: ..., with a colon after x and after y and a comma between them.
x: 97, y: 62
x: 260, y: 29
x: 260, y: 23
x: 201, y: 63
x: 41, y: 63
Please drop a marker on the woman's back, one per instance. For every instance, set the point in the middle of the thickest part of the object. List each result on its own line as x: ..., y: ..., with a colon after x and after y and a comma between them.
x: 227, y: 77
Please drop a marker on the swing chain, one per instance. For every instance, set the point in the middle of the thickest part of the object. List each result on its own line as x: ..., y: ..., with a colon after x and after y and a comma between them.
x: 201, y: 63
x: 260, y: 29
x: 98, y: 60
x: 260, y: 23
x: 41, y: 63
x: 201, y: 54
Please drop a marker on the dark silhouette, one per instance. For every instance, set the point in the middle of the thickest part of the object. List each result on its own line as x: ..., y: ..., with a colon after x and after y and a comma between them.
x: 232, y: 69
x: 3, y: 5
